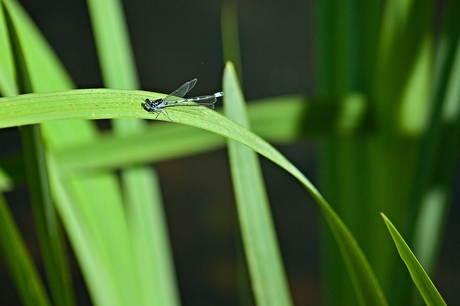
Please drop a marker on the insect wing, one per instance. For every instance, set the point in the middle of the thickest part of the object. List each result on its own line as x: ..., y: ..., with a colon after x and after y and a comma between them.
x: 181, y: 91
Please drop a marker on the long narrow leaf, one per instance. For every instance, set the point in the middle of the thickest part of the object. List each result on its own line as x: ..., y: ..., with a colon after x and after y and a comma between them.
x: 100, y: 281
x: 112, y: 41
x: 95, y: 198
x: 425, y: 286
x: 154, y: 271
x: 266, y: 269
x: 168, y: 141
x: 111, y: 103
x: 48, y: 229
x: 14, y: 252
x: 7, y: 70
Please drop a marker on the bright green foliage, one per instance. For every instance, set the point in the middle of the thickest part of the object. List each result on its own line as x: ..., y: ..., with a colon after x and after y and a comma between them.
x: 386, y: 111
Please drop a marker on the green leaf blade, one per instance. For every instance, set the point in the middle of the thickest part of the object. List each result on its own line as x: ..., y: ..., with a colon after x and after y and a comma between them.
x: 109, y: 103
x: 424, y: 284
x: 15, y: 254
x: 266, y: 269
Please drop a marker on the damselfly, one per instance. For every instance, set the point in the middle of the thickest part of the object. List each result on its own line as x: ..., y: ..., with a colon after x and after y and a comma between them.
x: 158, y: 106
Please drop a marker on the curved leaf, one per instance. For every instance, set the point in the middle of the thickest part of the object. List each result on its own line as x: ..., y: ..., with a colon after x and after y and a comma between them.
x: 107, y: 103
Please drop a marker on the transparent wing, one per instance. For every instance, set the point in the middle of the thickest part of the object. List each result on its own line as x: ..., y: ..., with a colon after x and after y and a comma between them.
x: 181, y: 91
x: 209, y: 102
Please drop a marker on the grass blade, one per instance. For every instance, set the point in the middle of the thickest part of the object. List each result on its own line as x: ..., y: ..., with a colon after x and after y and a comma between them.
x: 149, y: 237
x: 113, y: 46
x: 112, y: 103
x: 173, y: 141
x: 266, y: 269
x: 48, y: 228
x: 18, y: 260
x: 83, y: 237
x: 230, y: 36
x: 150, y: 247
x: 425, y: 286
x: 88, y: 195
x: 49, y: 232
x: 7, y: 70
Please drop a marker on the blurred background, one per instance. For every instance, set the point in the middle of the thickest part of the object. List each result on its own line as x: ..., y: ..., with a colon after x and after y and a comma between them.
x: 174, y: 42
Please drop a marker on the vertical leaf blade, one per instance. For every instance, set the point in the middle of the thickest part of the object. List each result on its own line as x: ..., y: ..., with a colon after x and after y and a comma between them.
x: 266, y: 269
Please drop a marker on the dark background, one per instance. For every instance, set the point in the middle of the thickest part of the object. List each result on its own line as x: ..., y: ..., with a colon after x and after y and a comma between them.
x: 176, y: 41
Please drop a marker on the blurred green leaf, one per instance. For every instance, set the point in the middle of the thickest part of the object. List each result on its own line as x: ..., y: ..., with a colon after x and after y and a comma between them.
x: 48, y: 229
x: 113, y: 45
x: 113, y: 260
x: 6, y: 183
x: 230, y: 35
x: 19, y: 262
x: 433, y: 183
x: 46, y: 72
x: 7, y: 70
